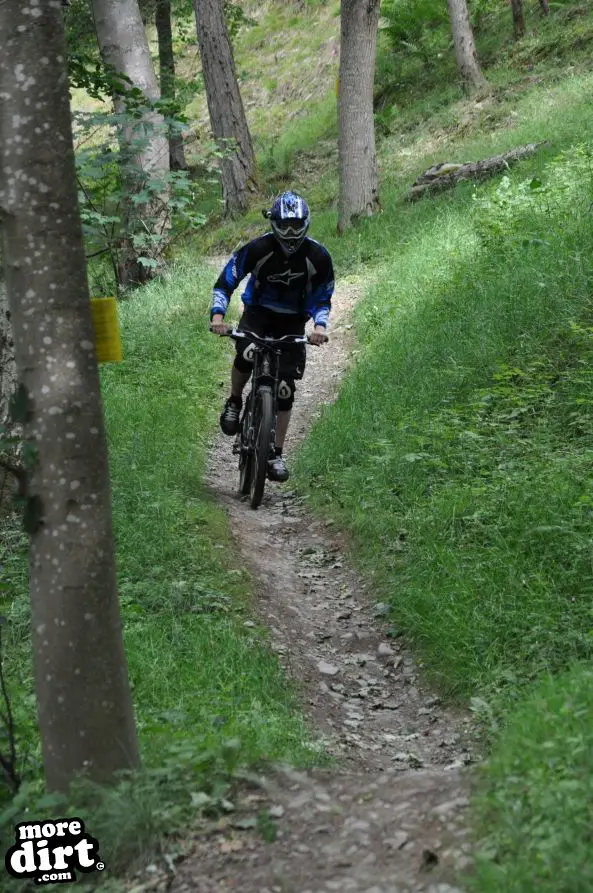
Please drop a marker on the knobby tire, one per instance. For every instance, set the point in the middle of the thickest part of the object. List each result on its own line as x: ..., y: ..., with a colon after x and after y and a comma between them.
x: 246, y: 461
x: 264, y: 420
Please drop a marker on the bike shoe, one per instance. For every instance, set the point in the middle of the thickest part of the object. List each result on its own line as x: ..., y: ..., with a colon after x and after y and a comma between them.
x: 230, y: 418
x: 277, y: 470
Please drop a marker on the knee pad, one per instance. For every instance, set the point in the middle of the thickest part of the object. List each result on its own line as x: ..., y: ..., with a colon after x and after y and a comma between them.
x: 286, y: 391
x: 244, y: 358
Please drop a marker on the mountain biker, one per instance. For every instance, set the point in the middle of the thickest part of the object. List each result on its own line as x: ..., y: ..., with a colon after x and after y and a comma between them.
x: 291, y: 282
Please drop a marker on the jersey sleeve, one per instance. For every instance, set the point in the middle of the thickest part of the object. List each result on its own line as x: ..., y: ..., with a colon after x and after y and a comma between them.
x: 239, y: 265
x: 323, y: 289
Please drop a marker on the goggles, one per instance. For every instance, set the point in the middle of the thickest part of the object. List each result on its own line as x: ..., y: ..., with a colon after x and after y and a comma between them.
x: 290, y: 227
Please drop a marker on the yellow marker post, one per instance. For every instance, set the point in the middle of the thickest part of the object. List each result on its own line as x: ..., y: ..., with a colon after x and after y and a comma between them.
x: 107, y: 333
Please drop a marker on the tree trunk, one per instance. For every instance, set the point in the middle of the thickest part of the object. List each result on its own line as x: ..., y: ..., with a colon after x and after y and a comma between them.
x: 227, y: 115
x: 465, y: 49
x: 518, y: 18
x: 85, y: 710
x: 545, y: 7
x: 145, y: 148
x: 359, y: 185
x: 167, y: 73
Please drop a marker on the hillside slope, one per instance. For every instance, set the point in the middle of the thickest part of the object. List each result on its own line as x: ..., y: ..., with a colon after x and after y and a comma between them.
x: 457, y: 454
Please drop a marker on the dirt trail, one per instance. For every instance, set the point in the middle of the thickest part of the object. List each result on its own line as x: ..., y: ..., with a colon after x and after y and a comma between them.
x: 390, y: 818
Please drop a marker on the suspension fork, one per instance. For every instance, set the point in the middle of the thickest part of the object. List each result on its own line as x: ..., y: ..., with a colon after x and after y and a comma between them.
x: 250, y: 405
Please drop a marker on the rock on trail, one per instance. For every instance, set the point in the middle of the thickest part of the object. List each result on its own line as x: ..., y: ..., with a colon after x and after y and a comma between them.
x: 390, y: 817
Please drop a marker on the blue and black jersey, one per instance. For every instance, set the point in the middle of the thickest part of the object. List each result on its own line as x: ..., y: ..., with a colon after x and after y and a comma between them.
x: 301, y: 284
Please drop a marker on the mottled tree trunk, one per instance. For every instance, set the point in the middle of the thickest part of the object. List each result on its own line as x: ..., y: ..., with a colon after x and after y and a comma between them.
x: 123, y: 45
x: 359, y: 184
x: 167, y: 74
x: 465, y: 48
x: 85, y: 710
x: 227, y: 115
x: 518, y: 18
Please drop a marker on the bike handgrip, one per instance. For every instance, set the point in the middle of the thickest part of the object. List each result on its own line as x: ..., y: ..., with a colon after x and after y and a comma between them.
x: 229, y: 329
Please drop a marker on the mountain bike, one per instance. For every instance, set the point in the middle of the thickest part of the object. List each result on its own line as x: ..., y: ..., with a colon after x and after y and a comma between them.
x: 256, y: 440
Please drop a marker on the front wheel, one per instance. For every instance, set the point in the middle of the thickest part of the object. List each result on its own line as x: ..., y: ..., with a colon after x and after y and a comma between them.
x: 264, y: 421
x: 246, y: 456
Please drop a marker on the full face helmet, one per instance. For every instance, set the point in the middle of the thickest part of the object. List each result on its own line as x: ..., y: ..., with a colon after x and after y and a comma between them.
x: 290, y: 218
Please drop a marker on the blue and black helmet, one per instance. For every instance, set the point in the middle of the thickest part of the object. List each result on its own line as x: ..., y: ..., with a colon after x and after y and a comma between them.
x: 290, y: 218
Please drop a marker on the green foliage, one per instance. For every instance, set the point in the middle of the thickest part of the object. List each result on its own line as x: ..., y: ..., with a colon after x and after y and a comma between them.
x: 236, y: 18
x: 536, y: 792
x: 411, y: 25
x: 110, y: 179
x: 416, y: 43
x: 506, y: 215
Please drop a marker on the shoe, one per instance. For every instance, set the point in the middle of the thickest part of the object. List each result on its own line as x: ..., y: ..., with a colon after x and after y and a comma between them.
x: 277, y: 470
x: 230, y: 418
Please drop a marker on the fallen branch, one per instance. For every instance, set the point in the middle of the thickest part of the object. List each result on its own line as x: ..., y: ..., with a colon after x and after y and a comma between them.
x: 446, y: 175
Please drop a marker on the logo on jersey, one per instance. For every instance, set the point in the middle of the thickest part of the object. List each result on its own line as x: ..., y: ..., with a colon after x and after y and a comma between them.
x: 285, y: 278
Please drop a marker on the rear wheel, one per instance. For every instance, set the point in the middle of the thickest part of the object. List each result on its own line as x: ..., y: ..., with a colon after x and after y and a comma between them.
x: 264, y: 419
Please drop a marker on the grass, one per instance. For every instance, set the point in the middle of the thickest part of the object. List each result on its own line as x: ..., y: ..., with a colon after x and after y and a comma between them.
x: 463, y: 448
x: 534, y: 795
x: 458, y: 453
x: 200, y: 677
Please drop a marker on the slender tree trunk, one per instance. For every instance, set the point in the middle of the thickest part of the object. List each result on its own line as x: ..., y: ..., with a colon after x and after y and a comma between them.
x: 227, y: 115
x: 167, y: 73
x: 123, y: 45
x: 85, y: 710
x: 545, y: 7
x: 518, y: 18
x: 465, y: 48
x: 359, y: 184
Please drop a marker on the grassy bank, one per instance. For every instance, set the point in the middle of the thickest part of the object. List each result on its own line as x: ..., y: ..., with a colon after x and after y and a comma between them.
x: 200, y: 678
x: 458, y: 452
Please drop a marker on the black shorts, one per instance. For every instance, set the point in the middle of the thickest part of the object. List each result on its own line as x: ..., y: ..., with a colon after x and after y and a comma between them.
x: 274, y: 325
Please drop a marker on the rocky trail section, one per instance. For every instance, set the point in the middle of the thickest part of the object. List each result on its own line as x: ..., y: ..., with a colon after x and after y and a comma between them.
x: 390, y: 817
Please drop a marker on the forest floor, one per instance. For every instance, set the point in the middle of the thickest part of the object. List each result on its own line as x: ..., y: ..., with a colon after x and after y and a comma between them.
x: 388, y: 816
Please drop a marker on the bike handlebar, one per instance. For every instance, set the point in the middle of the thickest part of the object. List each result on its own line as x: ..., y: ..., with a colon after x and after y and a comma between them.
x: 232, y: 332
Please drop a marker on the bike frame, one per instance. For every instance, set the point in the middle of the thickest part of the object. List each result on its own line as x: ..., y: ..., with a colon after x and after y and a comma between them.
x: 265, y: 378
x: 266, y: 367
